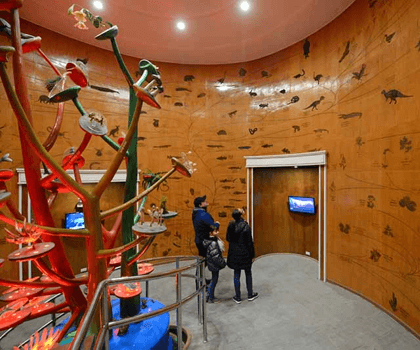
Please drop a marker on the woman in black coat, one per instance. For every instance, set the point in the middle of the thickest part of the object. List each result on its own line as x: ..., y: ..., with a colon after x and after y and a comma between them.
x: 240, y: 254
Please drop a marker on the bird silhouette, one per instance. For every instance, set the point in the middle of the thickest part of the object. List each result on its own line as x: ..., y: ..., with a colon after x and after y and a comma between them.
x: 346, y: 52
x: 306, y: 46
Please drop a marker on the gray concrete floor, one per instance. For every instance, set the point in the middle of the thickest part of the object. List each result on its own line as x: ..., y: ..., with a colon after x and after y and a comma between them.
x: 294, y: 311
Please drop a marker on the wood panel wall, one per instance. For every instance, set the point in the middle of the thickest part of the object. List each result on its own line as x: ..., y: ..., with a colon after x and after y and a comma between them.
x: 350, y: 89
x: 276, y: 229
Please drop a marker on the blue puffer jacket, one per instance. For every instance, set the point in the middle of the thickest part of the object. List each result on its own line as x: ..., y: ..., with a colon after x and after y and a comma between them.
x: 215, y: 261
x: 203, y: 224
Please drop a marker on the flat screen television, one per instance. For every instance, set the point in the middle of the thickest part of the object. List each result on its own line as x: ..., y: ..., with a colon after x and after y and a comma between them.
x: 75, y: 221
x: 305, y: 205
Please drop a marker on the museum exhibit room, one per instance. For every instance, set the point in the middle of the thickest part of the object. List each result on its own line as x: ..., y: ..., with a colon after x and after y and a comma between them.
x: 210, y: 175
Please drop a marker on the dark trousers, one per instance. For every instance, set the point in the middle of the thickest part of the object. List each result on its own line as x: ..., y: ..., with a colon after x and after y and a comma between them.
x: 237, y: 282
x: 212, y: 287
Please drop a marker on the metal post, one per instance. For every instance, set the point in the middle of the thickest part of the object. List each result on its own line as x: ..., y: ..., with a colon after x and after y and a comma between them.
x: 203, y: 300
x: 198, y: 284
x: 105, y: 314
x: 147, y: 288
x: 179, y: 309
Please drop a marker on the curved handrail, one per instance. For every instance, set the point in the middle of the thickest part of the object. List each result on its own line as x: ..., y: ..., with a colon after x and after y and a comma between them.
x: 101, y: 295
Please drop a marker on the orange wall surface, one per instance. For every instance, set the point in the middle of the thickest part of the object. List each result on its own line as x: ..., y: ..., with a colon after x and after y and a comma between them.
x: 351, y: 89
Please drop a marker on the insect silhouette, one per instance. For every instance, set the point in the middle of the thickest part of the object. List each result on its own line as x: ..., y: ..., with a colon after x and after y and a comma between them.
x: 346, y: 52
x: 252, y: 131
x: 114, y: 132
x: 242, y: 72
x: 285, y: 150
x: 98, y: 152
x: 358, y: 75
x: 189, y: 78
x: 389, y: 37
x: 221, y: 80
x: 317, y: 77
x: 393, y: 95
x: 314, y: 105
x: 375, y: 255
x: 297, y: 76
x: 344, y: 228
x: 306, y: 47
x: 294, y: 99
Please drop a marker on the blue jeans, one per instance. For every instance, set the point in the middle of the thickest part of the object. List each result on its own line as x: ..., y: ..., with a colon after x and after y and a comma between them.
x: 237, y: 282
x: 212, y: 286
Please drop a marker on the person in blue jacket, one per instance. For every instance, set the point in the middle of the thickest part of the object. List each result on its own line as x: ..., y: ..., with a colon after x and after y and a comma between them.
x: 203, y: 225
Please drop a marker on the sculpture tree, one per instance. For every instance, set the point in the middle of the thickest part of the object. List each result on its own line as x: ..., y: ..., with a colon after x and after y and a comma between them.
x: 26, y: 298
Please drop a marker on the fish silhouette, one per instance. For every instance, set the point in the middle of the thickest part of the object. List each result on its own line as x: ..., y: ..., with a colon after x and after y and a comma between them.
x: 201, y: 95
x: 221, y: 158
x: 244, y: 147
x: 263, y: 105
x: 182, y: 89
x: 267, y: 145
x: 231, y: 114
x: 215, y: 146
x: 351, y: 115
x: 178, y: 104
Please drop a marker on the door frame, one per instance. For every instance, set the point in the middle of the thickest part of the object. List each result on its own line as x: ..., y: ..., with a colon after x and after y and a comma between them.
x: 295, y: 160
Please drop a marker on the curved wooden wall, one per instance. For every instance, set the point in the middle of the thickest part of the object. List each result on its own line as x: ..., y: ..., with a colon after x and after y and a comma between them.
x: 350, y: 89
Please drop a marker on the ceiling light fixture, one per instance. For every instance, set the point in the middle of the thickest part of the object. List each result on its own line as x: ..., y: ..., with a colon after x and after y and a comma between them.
x: 181, y: 25
x: 244, y: 5
x: 98, y: 4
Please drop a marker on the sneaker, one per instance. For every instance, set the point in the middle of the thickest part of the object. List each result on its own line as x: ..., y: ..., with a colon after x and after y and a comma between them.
x: 237, y: 300
x: 253, y: 297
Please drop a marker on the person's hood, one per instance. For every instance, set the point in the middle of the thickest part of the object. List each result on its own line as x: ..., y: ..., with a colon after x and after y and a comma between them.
x: 196, y: 211
x: 206, y: 243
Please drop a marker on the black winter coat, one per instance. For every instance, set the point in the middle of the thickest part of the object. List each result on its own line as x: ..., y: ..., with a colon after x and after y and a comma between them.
x: 215, y: 261
x: 241, y: 247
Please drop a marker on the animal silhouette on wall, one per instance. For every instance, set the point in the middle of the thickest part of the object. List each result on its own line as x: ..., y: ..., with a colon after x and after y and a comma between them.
x: 388, y: 38
x: 393, y: 95
x: 358, y: 75
x: 317, y: 78
x: 294, y: 99
x: 306, y: 47
x: 346, y: 52
x: 297, y: 76
x: 315, y: 104
x: 242, y: 72
x: 189, y: 78
x: 344, y: 228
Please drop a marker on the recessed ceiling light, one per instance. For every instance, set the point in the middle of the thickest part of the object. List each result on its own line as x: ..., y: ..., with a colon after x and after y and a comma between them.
x: 181, y: 25
x: 244, y: 5
x: 98, y: 4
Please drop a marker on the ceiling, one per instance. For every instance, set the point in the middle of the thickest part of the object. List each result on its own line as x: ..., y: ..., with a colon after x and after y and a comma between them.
x: 217, y: 32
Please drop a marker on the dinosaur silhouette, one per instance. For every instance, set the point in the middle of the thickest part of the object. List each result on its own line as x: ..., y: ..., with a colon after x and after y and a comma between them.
x: 389, y: 37
x: 358, y: 75
x: 346, y: 52
x: 314, y: 105
x: 393, y: 95
x: 299, y: 75
x: 306, y: 46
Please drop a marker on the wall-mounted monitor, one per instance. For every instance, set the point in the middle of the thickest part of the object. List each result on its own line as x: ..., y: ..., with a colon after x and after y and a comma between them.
x: 75, y: 221
x: 305, y: 205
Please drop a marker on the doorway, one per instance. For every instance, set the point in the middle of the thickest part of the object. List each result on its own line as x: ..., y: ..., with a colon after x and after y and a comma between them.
x: 270, y: 181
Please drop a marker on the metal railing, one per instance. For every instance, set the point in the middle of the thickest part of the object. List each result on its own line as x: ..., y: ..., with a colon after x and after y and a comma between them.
x: 101, y: 299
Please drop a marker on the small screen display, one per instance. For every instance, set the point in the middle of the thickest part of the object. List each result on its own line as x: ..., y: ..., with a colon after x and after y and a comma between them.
x: 304, y: 205
x: 75, y: 221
